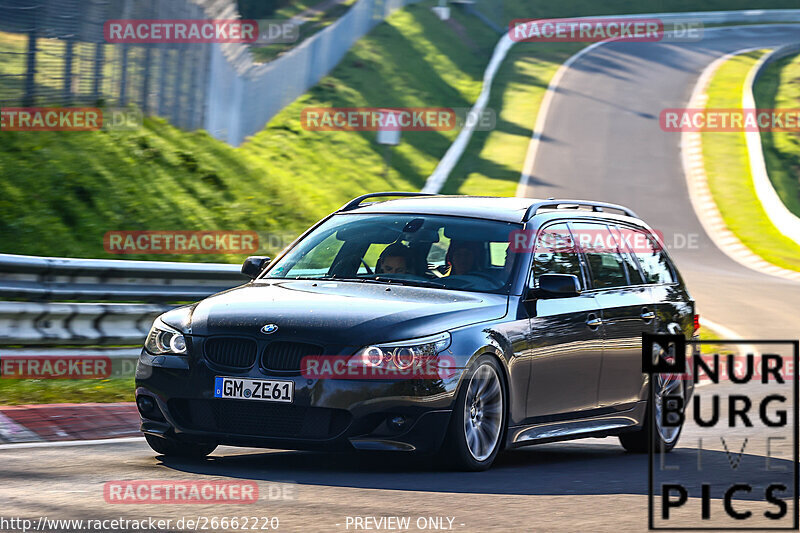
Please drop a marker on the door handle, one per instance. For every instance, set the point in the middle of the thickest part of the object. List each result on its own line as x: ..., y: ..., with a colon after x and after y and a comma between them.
x: 594, y: 322
x: 647, y: 315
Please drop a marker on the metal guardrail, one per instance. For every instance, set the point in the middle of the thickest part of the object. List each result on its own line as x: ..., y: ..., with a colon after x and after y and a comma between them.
x: 111, y: 318
x: 30, y: 323
x: 108, y: 280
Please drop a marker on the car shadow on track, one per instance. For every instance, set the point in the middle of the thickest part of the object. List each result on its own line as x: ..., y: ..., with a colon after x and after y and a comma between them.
x: 601, y: 467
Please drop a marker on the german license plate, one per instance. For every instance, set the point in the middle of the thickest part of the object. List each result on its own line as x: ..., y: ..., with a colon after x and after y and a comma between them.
x: 268, y: 390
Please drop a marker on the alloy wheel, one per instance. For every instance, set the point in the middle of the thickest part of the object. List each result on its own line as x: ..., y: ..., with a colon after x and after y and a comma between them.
x: 483, y: 412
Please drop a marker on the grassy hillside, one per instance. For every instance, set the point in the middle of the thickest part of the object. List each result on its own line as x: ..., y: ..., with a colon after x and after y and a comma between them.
x: 493, y: 160
x: 61, y: 192
x: 728, y: 171
x: 779, y: 87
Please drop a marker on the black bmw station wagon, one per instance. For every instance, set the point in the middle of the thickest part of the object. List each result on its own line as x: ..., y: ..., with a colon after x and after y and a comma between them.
x: 455, y: 325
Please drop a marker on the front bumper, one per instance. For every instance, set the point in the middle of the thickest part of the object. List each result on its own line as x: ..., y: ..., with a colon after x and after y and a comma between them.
x: 326, y: 414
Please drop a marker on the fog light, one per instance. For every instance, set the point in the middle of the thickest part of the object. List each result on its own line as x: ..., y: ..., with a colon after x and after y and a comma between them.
x: 145, y: 404
x: 397, y: 422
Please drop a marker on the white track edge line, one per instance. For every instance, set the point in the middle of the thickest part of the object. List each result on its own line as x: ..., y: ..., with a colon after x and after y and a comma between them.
x: 65, y: 443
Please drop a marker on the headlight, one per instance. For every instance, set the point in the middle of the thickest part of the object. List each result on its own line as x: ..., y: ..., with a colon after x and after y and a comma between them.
x: 402, y: 354
x: 163, y: 339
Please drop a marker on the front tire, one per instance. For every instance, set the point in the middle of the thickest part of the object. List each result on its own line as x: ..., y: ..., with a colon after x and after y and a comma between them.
x: 477, y: 425
x: 174, y: 448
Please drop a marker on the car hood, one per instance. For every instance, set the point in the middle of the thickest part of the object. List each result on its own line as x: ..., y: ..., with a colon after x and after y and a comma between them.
x: 342, y: 313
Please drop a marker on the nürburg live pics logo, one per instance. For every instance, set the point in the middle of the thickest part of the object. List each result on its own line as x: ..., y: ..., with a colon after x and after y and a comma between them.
x: 735, y: 466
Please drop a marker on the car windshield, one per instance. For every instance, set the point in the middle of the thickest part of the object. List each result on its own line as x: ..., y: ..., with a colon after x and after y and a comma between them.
x: 419, y: 250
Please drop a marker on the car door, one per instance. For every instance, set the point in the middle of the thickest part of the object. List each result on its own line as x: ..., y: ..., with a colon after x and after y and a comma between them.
x: 627, y: 310
x: 566, y: 342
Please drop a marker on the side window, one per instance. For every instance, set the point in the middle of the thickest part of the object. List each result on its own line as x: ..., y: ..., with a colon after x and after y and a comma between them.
x: 654, y: 262
x: 606, y: 266
x: 623, y: 236
x: 555, y: 253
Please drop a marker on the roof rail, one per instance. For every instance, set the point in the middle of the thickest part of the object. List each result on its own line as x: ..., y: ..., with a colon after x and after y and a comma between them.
x: 552, y: 203
x: 356, y: 202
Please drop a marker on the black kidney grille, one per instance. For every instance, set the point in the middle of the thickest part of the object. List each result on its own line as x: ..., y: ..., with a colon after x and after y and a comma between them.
x: 286, y: 356
x: 258, y: 418
x: 232, y: 352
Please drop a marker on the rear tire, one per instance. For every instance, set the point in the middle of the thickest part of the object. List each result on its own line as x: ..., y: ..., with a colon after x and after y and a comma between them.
x: 477, y: 426
x: 665, y: 437
x: 639, y: 441
x: 174, y: 448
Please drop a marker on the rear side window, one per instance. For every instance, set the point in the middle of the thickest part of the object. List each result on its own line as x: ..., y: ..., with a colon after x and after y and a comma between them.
x: 653, y: 260
x: 635, y: 276
x: 555, y: 253
x: 606, y: 265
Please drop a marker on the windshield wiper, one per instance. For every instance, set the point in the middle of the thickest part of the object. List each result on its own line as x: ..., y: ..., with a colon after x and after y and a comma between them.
x: 386, y: 281
x: 409, y: 282
x: 337, y: 278
x: 380, y: 280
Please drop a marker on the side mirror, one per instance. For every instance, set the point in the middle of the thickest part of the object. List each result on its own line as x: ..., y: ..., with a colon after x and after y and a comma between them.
x: 558, y: 286
x: 254, y: 265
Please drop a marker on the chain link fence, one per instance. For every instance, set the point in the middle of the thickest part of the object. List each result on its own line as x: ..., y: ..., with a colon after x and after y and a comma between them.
x: 53, y: 52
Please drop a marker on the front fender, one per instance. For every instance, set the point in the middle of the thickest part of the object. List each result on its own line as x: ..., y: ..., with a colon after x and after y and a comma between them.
x: 506, y: 345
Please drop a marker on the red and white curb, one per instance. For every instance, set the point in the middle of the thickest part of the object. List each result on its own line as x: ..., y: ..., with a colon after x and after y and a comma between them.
x: 68, y: 422
x: 10, y: 431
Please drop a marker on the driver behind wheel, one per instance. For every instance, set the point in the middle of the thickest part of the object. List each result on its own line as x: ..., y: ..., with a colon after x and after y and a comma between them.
x: 465, y: 257
x: 395, y: 259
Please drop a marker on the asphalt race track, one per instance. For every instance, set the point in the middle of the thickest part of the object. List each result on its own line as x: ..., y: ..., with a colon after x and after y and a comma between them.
x: 601, y: 141
x: 591, y: 485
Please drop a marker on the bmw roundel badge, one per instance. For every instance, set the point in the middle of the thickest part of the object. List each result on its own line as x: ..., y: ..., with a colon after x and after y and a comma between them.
x: 269, y: 329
